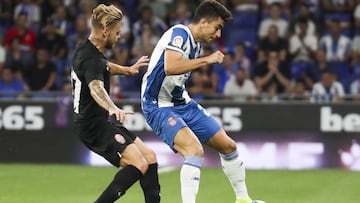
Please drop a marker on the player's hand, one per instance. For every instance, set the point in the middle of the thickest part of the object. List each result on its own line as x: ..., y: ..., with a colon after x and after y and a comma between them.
x: 141, y: 62
x: 216, y: 57
x: 120, y: 114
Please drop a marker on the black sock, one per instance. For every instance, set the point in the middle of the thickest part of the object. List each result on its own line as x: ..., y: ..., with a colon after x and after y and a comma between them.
x: 150, y: 184
x: 124, y: 179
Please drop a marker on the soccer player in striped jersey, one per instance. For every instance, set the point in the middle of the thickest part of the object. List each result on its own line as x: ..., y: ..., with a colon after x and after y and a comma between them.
x: 174, y: 116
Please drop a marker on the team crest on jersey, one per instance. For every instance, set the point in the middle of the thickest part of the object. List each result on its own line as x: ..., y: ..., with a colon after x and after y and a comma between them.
x: 177, y: 41
x: 171, y: 121
x: 119, y: 138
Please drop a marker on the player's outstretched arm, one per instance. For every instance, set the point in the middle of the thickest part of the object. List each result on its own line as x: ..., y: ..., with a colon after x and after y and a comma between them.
x: 175, y: 65
x: 116, y: 69
x: 103, y: 99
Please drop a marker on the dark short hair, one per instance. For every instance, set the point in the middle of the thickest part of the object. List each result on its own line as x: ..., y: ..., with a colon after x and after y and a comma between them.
x: 277, y: 4
x: 303, y: 20
x: 211, y: 10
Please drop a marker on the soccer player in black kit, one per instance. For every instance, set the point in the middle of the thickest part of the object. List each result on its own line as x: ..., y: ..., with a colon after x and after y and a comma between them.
x: 99, y: 121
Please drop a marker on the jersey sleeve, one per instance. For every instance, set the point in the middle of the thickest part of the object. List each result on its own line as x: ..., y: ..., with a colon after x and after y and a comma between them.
x: 178, y: 40
x: 94, y: 70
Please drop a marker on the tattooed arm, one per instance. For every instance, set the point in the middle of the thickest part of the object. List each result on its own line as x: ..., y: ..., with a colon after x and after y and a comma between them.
x: 102, y: 98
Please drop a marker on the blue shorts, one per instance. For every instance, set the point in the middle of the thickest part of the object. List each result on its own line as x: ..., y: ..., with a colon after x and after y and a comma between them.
x: 167, y: 121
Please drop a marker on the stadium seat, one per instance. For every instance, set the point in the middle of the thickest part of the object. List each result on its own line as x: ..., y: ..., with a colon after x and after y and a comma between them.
x: 236, y: 35
x: 245, y: 20
x: 297, y: 68
x: 338, y: 16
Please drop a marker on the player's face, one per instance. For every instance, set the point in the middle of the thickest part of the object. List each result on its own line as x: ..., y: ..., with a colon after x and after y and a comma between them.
x: 112, y: 35
x: 211, y: 30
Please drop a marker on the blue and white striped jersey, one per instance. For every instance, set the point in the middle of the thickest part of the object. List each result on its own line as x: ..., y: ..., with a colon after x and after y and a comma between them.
x: 169, y: 90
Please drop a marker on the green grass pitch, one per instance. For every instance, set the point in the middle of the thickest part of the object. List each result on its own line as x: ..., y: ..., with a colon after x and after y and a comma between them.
x: 23, y: 183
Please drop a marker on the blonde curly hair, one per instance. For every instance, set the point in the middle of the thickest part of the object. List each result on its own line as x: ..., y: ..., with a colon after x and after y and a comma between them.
x: 105, y: 16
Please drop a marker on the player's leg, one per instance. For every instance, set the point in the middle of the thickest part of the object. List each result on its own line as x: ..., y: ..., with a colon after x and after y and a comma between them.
x: 116, y: 144
x: 172, y: 129
x: 150, y: 180
x: 134, y: 166
x: 187, y: 144
x: 232, y: 165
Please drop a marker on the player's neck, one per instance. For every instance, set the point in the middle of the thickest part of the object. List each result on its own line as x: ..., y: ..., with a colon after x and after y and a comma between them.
x: 194, y: 30
x: 97, y: 42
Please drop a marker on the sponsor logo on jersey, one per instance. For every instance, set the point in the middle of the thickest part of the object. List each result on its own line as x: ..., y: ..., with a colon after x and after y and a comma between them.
x: 119, y: 138
x: 177, y: 41
x: 171, y: 121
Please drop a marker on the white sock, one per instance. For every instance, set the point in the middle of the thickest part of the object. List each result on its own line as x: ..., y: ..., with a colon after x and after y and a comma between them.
x: 234, y: 169
x: 190, y: 178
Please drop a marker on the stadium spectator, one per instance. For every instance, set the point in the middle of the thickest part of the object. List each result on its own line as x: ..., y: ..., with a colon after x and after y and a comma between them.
x: 40, y: 75
x: 181, y: 15
x: 285, y: 6
x: 158, y: 7
x: 202, y: 83
x: 248, y: 5
x: 63, y: 26
x: 322, y: 64
x: 121, y: 51
x: 304, y: 12
x: 272, y: 42
x: 10, y: 86
x: 355, y: 87
x: 303, y: 45
x: 2, y: 52
x: 314, y: 6
x: 328, y: 88
x: 48, y: 8
x: 298, y: 92
x: 338, y: 9
x: 147, y: 17
x: 302, y: 49
x: 240, y: 87
x: 225, y: 69
x: 82, y: 32
x: 52, y: 41
x: 356, y: 49
x: 16, y: 60
x: 356, y: 38
x: 273, y: 75
x: 115, y: 88
x: 27, y: 37
x: 274, y: 19
x: 6, y: 14
x: 32, y: 10
x: 145, y: 44
x: 336, y: 45
x: 86, y: 8
x: 356, y: 16
x: 242, y: 60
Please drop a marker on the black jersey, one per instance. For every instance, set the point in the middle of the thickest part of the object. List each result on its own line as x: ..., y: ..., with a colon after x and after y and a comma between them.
x: 88, y: 64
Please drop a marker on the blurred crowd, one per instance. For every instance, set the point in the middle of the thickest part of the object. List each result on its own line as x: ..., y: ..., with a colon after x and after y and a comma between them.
x: 274, y: 49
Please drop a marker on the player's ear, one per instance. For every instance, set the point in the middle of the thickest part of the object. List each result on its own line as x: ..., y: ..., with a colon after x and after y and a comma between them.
x: 202, y: 22
x: 105, y: 31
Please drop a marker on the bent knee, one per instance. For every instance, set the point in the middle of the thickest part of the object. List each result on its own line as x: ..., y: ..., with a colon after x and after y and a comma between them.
x: 140, y: 163
x: 229, y: 147
x: 132, y: 156
x: 199, y: 151
x: 193, y: 150
x: 150, y: 157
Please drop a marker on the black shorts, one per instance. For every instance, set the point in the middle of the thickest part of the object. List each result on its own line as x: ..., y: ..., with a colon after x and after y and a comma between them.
x: 107, y: 138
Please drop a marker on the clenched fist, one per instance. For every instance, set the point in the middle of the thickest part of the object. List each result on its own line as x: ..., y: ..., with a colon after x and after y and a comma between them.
x: 216, y: 57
